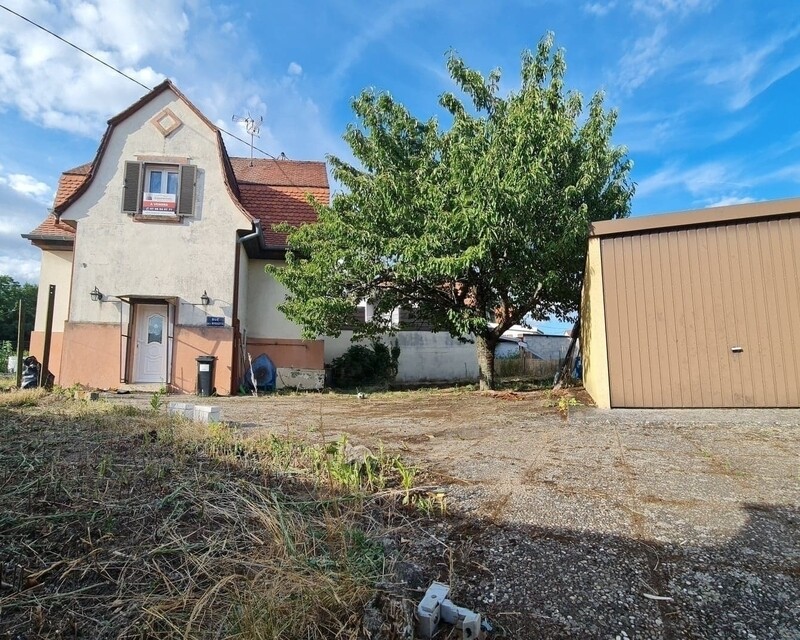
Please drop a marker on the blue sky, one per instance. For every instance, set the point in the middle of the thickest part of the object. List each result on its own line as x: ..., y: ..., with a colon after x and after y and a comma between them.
x: 706, y: 91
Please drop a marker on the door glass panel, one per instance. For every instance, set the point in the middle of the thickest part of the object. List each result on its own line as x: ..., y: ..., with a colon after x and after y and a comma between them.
x: 155, y: 329
x: 155, y: 182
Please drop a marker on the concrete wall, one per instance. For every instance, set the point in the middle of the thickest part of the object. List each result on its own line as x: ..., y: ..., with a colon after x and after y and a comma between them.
x: 594, y: 347
x: 56, y: 269
x: 548, y: 347
x: 121, y: 255
x: 424, y: 356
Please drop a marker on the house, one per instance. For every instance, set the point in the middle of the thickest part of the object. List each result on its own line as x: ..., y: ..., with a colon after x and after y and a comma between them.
x: 694, y: 309
x: 157, y: 250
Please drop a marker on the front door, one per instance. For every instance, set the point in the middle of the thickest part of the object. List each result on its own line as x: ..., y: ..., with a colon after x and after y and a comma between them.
x: 150, y: 356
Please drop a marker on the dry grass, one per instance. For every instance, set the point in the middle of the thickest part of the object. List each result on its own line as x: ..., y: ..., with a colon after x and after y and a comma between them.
x: 121, y: 523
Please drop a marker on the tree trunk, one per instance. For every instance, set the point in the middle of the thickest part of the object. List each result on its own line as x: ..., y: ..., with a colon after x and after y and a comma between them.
x: 485, y: 350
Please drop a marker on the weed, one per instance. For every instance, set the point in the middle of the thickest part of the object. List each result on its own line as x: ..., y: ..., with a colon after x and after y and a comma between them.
x: 157, y: 399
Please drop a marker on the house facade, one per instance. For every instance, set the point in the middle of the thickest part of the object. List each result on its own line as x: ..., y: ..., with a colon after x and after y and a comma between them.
x: 157, y: 251
x: 694, y: 309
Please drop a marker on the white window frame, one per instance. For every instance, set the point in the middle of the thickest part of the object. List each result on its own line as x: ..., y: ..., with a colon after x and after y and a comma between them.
x: 159, y: 196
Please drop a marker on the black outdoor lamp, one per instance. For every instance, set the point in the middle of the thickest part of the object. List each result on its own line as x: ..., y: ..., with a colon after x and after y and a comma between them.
x: 205, y: 299
x: 96, y: 295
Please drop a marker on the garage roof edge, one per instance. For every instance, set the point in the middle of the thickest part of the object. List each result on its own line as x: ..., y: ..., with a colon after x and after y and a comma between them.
x: 697, y: 217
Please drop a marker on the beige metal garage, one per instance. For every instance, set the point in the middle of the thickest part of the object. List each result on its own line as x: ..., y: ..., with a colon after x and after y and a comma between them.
x: 695, y: 309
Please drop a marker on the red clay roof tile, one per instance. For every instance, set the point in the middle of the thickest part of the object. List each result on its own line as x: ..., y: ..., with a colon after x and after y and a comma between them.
x: 281, y: 173
x: 50, y: 228
x: 275, y: 205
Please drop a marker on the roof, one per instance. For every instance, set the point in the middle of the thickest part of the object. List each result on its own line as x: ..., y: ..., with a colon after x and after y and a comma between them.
x: 268, y: 190
x: 697, y: 217
x: 53, y: 230
x: 275, y: 205
x: 280, y: 173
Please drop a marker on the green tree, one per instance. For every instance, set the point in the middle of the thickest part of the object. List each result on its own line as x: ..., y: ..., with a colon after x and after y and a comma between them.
x: 10, y: 293
x: 483, y: 222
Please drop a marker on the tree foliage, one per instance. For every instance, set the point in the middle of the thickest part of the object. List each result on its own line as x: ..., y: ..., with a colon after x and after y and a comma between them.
x: 11, y: 292
x: 485, y: 221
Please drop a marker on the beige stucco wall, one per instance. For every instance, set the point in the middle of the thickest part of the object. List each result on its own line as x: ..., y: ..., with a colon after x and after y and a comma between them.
x: 56, y: 269
x: 244, y: 270
x: 264, y: 294
x: 56, y: 344
x: 122, y: 256
x: 594, y: 347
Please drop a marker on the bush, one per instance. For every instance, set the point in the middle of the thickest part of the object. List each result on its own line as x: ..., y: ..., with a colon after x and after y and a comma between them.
x: 6, y: 351
x: 362, y: 366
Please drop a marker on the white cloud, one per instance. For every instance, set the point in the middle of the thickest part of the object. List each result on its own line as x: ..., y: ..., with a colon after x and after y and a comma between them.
x: 294, y: 69
x: 726, y: 201
x: 21, y: 269
x: 53, y: 85
x: 599, y: 8
x: 373, y: 31
x: 700, y: 180
x: 752, y: 71
x: 645, y: 59
x: 659, y: 8
x: 27, y: 185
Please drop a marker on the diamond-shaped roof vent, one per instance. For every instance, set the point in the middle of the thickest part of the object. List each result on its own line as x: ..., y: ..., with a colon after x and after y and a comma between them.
x: 166, y: 122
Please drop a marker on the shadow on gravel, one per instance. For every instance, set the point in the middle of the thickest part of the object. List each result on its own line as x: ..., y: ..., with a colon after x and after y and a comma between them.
x: 536, y: 582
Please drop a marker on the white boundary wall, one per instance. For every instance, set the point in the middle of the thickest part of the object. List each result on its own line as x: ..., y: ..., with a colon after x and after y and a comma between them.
x: 424, y: 356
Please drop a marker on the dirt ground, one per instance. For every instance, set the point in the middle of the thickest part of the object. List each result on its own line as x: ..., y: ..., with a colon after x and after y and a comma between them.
x: 599, y: 524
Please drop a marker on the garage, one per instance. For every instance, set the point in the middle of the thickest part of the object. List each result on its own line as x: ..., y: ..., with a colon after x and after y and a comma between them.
x: 694, y: 309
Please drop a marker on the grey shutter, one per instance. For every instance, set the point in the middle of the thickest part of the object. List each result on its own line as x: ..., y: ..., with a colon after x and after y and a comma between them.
x: 186, y: 190
x: 132, y: 188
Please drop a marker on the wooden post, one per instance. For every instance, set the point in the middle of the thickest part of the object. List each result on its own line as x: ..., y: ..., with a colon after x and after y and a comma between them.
x: 48, y: 334
x: 20, y: 336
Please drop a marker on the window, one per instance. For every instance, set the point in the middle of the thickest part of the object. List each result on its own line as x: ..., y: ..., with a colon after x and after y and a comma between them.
x: 159, y: 190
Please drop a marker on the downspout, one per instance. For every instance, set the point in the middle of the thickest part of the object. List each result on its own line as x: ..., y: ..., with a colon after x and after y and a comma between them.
x: 256, y: 234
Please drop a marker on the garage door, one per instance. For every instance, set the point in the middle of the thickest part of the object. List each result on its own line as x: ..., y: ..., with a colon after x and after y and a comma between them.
x: 704, y: 316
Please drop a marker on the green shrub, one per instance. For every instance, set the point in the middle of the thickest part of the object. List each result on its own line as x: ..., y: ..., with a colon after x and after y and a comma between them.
x: 6, y: 351
x: 362, y: 366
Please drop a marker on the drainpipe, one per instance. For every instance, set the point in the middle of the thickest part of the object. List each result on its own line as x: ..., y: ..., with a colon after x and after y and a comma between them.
x: 256, y: 234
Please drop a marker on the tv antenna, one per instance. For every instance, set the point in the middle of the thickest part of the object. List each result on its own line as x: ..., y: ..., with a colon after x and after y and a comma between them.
x: 253, y: 127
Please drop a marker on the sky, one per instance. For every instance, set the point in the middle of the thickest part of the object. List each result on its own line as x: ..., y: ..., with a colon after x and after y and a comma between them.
x: 706, y: 90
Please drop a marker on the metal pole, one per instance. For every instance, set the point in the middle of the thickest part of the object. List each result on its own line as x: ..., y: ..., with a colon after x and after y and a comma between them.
x: 20, y: 336
x: 48, y: 333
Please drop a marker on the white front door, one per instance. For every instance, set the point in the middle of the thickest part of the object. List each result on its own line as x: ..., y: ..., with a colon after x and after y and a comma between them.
x: 150, y: 357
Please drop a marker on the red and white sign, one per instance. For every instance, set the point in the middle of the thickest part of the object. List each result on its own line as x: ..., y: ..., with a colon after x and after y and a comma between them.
x: 158, y: 203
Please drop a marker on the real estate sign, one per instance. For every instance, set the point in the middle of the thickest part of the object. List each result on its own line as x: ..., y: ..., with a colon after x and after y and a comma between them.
x: 158, y: 202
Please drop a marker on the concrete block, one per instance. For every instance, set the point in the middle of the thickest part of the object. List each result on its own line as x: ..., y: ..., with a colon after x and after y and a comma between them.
x: 308, y: 379
x: 183, y: 409
x: 206, y: 413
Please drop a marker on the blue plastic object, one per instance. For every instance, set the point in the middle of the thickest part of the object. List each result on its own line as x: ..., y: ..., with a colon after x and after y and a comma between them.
x: 264, y: 372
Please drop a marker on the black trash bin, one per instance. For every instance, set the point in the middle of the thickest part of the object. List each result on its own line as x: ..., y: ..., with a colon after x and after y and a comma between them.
x: 205, y: 375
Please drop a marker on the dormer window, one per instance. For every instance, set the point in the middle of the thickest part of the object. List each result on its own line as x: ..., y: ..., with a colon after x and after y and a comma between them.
x: 159, y: 190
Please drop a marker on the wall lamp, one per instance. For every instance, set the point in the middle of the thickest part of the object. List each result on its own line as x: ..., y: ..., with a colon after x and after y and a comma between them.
x: 96, y: 295
x: 204, y: 299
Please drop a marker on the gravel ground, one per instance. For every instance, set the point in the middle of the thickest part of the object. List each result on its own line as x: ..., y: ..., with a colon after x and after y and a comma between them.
x: 599, y: 524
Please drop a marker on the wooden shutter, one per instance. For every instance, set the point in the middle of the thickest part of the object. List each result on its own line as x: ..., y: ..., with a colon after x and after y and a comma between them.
x: 132, y: 188
x: 186, y: 190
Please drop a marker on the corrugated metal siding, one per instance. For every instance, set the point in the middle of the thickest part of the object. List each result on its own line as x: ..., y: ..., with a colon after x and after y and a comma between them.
x: 678, y: 300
